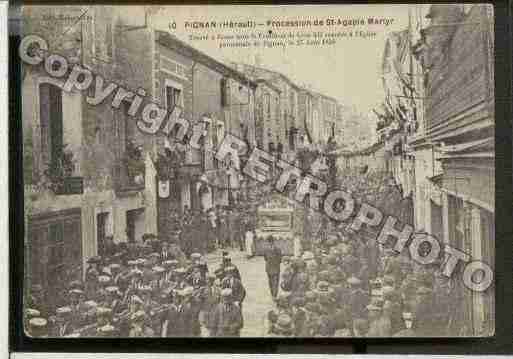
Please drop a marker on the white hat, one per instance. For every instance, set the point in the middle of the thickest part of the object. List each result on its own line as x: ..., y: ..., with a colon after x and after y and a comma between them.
x: 63, y: 310
x: 38, y: 322
x: 31, y: 313
x: 91, y: 304
x: 111, y: 289
x: 104, y: 279
x: 158, y: 269
x: 137, y: 299
x: 140, y: 314
x: 407, y: 316
x: 187, y: 291
x: 376, y: 292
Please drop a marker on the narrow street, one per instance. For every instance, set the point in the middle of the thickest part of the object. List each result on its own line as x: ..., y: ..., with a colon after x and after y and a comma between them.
x: 258, y: 299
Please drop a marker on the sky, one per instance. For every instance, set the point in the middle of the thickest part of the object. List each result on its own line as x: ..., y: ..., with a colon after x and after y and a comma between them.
x: 348, y: 70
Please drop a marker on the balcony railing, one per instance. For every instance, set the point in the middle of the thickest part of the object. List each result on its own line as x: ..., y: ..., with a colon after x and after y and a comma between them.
x: 60, y: 174
x: 129, y: 176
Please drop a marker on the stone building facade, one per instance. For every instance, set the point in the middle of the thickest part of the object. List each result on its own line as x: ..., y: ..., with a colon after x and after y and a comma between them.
x: 86, y: 182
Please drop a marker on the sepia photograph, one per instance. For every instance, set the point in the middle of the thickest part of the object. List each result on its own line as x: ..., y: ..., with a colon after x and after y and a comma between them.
x: 258, y: 171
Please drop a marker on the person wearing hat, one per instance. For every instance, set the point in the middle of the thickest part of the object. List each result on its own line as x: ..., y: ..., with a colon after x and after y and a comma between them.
x: 37, y: 328
x: 300, y: 283
x: 379, y: 325
x: 182, y: 317
x: 234, y: 229
x: 158, y: 278
x: 249, y: 240
x: 273, y: 258
x: 112, y: 300
x: 195, y: 279
x: 116, y: 271
x: 360, y: 327
x: 63, y: 324
x: 165, y: 254
x: 283, y: 327
x: 211, y: 296
x: 179, y: 276
x: 138, y: 328
x: 36, y: 299
x: 29, y: 314
x: 298, y: 315
x: 103, y: 316
x: 232, y: 282
x: 409, y: 331
x: 170, y: 315
x: 78, y: 308
x: 91, y: 275
x: 146, y: 294
x: 425, y: 313
x: 220, y: 275
x: 358, y: 299
x: 227, y: 262
x: 227, y: 318
x: 107, y: 331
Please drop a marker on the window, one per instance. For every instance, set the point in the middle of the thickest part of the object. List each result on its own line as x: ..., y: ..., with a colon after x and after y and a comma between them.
x: 224, y: 88
x: 173, y: 97
x: 173, y: 67
x: 268, y: 104
x: 51, y: 122
x: 134, y: 224
x: 128, y: 124
x: 103, y: 36
x: 108, y: 40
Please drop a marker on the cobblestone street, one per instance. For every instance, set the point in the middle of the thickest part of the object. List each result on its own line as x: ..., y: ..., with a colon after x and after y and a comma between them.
x: 258, y: 299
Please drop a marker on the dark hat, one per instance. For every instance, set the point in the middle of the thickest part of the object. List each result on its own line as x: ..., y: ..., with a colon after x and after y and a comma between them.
x: 94, y: 259
x: 76, y: 284
x: 423, y: 291
x: 298, y: 301
x: 219, y: 272
x: 284, y: 324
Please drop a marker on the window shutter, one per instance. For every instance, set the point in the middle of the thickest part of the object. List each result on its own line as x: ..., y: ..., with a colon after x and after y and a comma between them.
x: 224, y: 99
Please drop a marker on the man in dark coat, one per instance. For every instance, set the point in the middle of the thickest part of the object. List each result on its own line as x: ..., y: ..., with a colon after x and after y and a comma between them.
x: 238, y: 291
x: 227, y: 318
x: 272, y: 256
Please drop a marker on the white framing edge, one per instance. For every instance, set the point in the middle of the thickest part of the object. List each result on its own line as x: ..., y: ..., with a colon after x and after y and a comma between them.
x: 4, y: 176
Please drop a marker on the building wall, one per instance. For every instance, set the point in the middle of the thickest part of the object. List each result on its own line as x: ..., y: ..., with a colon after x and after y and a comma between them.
x: 459, y: 112
x: 91, y: 132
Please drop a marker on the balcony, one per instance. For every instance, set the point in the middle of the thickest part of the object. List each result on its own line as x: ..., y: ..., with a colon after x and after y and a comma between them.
x: 129, y: 176
x: 60, y: 174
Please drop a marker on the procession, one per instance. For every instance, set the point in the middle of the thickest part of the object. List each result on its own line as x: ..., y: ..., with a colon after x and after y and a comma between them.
x: 214, y: 190
x: 336, y: 283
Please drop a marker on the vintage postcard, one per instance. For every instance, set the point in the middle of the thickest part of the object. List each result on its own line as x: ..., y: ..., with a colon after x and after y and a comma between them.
x: 258, y: 171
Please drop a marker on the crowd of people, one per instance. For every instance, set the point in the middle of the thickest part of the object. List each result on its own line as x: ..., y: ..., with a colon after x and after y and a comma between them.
x: 335, y: 283
x: 347, y: 285
x: 220, y: 227
x: 153, y: 290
